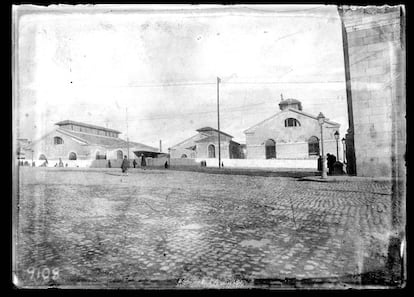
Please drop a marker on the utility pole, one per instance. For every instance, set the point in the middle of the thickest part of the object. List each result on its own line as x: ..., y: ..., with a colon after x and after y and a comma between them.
x: 127, y: 133
x: 218, y: 121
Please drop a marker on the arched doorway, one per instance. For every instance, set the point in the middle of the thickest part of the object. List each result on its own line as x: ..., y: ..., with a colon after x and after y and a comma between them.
x: 183, y: 156
x: 211, y: 151
x: 119, y: 155
x: 313, y: 146
x: 72, y: 156
x: 42, y: 157
x: 270, y: 145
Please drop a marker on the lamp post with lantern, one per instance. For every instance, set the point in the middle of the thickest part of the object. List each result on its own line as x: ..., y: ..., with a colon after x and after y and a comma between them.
x: 321, y: 121
x: 343, y: 148
x: 336, y: 134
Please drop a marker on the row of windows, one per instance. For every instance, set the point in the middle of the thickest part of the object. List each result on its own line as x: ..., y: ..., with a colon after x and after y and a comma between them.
x: 313, y: 147
x: 270, y: 148
x: 72, y: 156
x: 92, y: 131
x: 99, y: 156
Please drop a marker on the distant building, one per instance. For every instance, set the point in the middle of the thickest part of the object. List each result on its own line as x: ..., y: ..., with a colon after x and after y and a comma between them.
x: 79, y: 141
x: 205, y: 145
x: 290, y: 134
x: 21, y: 144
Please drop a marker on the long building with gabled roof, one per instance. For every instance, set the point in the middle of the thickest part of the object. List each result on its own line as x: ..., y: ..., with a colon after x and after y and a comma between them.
x: 72, y: 141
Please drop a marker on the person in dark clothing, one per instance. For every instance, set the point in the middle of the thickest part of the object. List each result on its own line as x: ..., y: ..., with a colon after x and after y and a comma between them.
x: 143, y: 162
x: 125, y: 164
x: 331, y: 160
x: 320, y: 163
x: 109, y: 164
x: 166, y: 164
x: 134, y: 163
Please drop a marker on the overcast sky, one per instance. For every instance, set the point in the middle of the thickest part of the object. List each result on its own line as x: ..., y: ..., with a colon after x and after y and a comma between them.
x: 160, y: 64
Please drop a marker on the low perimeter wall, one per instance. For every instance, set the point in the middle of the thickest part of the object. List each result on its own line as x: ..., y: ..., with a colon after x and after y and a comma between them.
x: 262, y: 163
x: 159, y: 162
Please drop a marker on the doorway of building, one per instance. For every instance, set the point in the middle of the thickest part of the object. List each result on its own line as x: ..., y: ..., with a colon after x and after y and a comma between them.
x: 270, y: 146
x: 211, y: 151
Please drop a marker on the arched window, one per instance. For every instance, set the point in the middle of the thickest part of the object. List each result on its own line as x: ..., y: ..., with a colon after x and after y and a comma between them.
x: 183, y: 156
x: 72, y: 156
x: 211, y: 151
x: 291, y: 122
x: 42, y: 157
x: 57, y: 140
x: 313, y: 146
x: 270, y: 146
x: 119, y: 155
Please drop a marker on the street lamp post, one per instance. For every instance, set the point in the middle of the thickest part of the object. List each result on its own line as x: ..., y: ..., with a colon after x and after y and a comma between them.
x: 321, y: 121
x: 336, y: 134
x: 343, y: 148
x: 169, y: 157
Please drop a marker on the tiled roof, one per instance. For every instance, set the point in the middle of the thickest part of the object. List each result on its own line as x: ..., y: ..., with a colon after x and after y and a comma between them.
x: 208, y: 129
x: 70, y: 122
x: 314, y: 117
x: 109, y: 142
x: 190, y: 139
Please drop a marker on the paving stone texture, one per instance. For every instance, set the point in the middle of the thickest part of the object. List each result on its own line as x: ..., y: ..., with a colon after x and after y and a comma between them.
x: 98, y: 228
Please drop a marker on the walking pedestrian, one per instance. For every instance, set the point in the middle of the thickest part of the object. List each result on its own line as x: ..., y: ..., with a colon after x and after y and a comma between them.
x: 125, y: 165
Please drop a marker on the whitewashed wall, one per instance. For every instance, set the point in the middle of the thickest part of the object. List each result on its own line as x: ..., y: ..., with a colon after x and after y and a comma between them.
x: 262, y: 163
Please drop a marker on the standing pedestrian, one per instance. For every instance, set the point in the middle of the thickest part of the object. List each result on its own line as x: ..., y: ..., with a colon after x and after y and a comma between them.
x: 320, y: 163
x: 143, y: 162
x: 331, y: 160
x: 60, y: 162
x: 109, y: 164
x: 125, y: 165
x: 134, y: 163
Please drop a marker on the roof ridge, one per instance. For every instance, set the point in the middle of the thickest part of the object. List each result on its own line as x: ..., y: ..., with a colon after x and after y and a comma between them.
x: 67, y: 132
x: 116, y: 139
x: 265, y: 120
x: 312, y: 116
x: 181, y: 142
x: 68, y: 122
x: 213, y: 129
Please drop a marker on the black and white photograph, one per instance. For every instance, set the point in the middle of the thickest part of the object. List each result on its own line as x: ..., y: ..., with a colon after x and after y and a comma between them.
x: 180, y: 147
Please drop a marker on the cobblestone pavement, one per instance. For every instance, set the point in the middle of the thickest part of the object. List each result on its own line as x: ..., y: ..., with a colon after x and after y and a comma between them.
x: 84, y: 227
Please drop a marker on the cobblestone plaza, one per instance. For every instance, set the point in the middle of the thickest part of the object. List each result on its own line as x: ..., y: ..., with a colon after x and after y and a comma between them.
x: 102, y: 228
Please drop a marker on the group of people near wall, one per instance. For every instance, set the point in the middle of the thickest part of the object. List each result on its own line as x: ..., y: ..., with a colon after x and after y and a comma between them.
x: 125, y: 163
x: 331, y: 160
